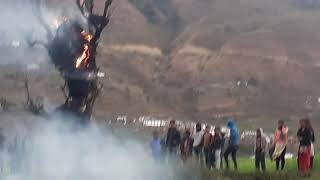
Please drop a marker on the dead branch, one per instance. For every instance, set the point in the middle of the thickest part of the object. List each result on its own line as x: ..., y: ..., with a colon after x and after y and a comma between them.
x: 63, y: 89
x: 26, y: 86
x: 80, y: 6
x: 36, y: 4
x: 107, y: 4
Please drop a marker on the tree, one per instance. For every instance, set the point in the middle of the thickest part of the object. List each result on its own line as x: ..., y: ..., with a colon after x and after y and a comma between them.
x: 77, y: 63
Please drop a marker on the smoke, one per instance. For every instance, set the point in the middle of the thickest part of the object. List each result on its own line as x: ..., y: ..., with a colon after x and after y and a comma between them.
x: 18, y: 23
x: 56, y: 150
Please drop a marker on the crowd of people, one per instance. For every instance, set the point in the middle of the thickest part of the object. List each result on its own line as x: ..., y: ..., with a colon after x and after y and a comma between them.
x: 214, y: 149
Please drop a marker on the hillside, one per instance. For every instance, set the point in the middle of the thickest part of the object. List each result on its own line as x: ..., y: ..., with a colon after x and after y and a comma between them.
x: 203, y: 59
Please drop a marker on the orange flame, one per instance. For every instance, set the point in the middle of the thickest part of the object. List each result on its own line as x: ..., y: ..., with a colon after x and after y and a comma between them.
x: 83, y: 59
x: 84, y: 56
x: 58, y: 21
x: 88, y: 37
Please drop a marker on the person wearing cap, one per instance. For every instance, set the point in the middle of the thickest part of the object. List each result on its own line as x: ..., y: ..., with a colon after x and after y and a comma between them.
x: 233, y: 144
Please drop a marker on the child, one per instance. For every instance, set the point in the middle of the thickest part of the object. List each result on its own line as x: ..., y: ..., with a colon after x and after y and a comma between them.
x: 186, y: 146
x: 156, y: 148
x: 260, y: 149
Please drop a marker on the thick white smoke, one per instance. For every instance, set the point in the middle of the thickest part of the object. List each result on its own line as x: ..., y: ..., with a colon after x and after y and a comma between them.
x: 56, y: 151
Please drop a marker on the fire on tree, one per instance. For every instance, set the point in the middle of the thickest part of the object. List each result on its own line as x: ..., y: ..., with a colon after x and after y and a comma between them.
x: 73, y: 52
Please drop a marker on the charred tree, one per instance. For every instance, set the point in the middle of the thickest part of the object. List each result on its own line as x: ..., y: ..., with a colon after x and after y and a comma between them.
x: 73, y: 52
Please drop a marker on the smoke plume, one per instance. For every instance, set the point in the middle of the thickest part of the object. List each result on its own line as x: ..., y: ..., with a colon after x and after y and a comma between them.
x: 57, y: 150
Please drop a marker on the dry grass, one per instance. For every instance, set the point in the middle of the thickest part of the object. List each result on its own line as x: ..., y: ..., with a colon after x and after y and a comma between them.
x: 136, y: 48
x: 195, y: 50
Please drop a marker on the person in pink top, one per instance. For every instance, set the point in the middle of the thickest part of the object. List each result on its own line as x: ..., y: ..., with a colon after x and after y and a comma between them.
x: 280, y: 142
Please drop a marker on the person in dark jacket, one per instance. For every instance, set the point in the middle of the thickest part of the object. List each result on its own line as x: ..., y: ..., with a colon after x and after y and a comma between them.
x: 216, y: 147
x: 233, y: 144
x: 260, y: 149
x: 223, y: 136
x: 173, y: 138
x: 309, y: 126
x: 186, y: 146
x: 304, y: 152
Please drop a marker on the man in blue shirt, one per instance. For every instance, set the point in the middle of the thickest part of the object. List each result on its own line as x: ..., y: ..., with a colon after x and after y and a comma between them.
x: 233, y: 144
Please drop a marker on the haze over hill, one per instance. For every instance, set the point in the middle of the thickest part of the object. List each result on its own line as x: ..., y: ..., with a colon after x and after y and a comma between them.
x: 203, y: 59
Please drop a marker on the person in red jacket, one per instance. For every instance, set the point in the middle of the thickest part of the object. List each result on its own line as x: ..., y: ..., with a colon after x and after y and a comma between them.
x: 206, y: 141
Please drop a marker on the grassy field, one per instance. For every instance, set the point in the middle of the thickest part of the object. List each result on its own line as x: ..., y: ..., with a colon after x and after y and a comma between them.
x: 246, y: 171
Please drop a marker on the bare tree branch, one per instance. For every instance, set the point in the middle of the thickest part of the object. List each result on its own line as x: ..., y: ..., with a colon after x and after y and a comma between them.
x: 107, y: 4
x: 38, y: 14
x: 26, y: 86
x: 63, y: 89
x: 103, y: 21
x: 32, y: 43
x: 80, y: 6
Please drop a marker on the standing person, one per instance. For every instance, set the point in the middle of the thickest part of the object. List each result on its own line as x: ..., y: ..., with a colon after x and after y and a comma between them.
x: 223, y: 136
x: 309, y: 126
x: 280, y: 142
x: 173, y: 138
x: 233, y: 144
x: 304, y: 152
x: 2, y: 151
x: 197, y: 145
x: 260, y: 150
x: 216, y: 148
x: 2, y: 140
x: 186, y: 146
x: 206, y: 141
x: 156, y: 148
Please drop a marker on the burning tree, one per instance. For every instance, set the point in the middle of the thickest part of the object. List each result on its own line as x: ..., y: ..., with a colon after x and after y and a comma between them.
x: 73, y: 52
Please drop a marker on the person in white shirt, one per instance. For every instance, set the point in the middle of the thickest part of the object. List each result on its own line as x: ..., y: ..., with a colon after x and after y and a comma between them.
x: 197, y: 143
